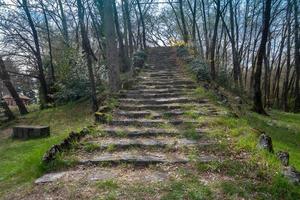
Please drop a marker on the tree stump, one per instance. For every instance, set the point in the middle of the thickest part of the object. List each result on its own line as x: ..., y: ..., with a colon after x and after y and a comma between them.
x: 28, y: 132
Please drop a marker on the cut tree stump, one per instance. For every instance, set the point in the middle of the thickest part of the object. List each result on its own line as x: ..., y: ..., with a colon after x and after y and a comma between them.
x: 28, y: 132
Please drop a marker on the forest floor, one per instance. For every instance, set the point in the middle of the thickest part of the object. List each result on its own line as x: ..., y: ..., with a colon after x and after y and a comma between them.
x: 175, y: 144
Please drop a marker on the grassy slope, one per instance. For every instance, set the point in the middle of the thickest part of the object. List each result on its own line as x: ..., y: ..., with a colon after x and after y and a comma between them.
x: 284, y: 128
x: 20, y: 161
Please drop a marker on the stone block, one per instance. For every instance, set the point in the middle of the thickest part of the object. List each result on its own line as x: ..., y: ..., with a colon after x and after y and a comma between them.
x: 28, y: 132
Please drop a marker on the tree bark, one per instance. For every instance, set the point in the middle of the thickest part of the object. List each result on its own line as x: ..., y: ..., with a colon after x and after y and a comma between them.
x: 64, y: 23
x: 128, y: 23
x: 185, y: 32
x: 143, y: 24
x: 124, y: 60
x: 257, y: 99
x: 213, y: 42
x: 111, y: 47
x: 297, y: 58
x: 88, y: 54
x: 44, y: 89
x: 7, y: 82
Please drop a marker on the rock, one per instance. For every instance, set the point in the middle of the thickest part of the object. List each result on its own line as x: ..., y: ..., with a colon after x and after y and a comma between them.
x: 291, y: 174
x: 100, y: 117
x: 283, y: 157
x: 238, y: 100
x: 265, y: 142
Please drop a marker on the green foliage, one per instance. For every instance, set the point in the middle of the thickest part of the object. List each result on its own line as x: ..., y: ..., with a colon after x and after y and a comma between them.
x: 182, y: 51
x: 224, y: 78
x: 72, y: 89
x: 200, y: 69
x: 139, y: 59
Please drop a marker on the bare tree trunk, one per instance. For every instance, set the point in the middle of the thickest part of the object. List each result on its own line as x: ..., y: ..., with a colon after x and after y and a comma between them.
x: 8, y: 113
x: 285, y: 91
x: 111, y: 47
x: 297, y: 58
x: 185, y: 32
x: 44, y: 89
x: 143, y: 24
x: 52, y: 74
x: 6, y: 80
x: 88, y: 54
x: 257, y: 99
x: 124, y: 60
x: 64, y: 23
x: 213, y: 42
x: 128, y: 23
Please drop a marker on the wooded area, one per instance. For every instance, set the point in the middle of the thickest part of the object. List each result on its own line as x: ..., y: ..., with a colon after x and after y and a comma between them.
x: 76, y: 48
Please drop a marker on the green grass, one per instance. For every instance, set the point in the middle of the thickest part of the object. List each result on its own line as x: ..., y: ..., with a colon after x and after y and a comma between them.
x: 284, y: 129
x: 21, y: 160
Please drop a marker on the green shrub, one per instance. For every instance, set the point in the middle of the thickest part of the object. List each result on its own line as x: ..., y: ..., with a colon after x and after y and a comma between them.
x: 139, y: 59
x: 182, y: 52
x: 72, y: 89
x: 201, y: 70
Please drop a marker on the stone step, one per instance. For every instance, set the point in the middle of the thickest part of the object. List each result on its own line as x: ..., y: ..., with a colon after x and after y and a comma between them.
x: 141, y: 158
x: 152, y: 95
x: 161, y: 101
x: 164, y: 87
x: 183, y: 82
x: 157, y: 91
x: 132, y: 107
x: 148, y: 122
x: 162, y: 79
x: 129, y: 132
x: 158, y: 115
x: 97, y: 173
x: 145, y: 132
x: 144, y: 143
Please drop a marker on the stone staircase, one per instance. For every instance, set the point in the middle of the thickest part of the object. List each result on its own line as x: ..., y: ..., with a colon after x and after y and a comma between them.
x: 148, y: 128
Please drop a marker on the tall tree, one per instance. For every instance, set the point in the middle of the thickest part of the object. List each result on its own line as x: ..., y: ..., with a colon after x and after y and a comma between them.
x: 7, y: 82
x: 37, y: 53
x: 111, y: 47
x: 128, y: 26
x: 124, y: 60
x: 143, y: 24
x: 297, y: 58
x: 89, y: 55
x: 257, y: 99
x: 214, y: 41
x: 185, y: 31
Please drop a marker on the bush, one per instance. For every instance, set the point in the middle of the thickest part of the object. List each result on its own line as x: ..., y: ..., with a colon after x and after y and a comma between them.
x: 224, y: 78
x: 139, y: 59
x: 201, y: 70
x: 182, y: 52
x: 72, y: 90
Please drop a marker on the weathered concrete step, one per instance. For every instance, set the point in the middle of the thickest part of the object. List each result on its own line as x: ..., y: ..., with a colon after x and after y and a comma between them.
x: 97, y: 173
x: 141, y: 158
x: 148, y: 123
x: 157, y: 91
x: 162, y: 101
x: 145, y: 132
x: 167, y: 82
x: 161, y: 79
x: 159, y: 115
x: 153, y: 95
x: 135, y: 158
x: 144, y: 143
x: 132, y: 107
x: 164, y: 87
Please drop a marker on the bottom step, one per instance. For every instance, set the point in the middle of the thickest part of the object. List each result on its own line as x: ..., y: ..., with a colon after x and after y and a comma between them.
x: 141, y: 158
